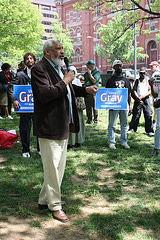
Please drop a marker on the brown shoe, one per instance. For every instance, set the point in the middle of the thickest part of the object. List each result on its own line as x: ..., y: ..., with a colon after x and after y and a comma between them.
x: 60, y: 216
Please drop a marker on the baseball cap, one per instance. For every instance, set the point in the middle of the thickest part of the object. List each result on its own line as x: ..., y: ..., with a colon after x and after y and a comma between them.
x: 154, y: 63
x: 116, y: 62
x: 90, y: 62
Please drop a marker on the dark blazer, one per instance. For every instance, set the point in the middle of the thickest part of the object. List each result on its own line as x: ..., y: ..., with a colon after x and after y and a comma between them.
x: 51, y: 105
x: 4, y: 79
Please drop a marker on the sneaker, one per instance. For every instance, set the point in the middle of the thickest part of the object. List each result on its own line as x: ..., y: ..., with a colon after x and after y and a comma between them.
x: 26, y: 155
x: 39, y: 153
x: 125, y: 145
x: 154, y: 123
x: 130, y: 130
x: 1, y: 117
x: 112, y: 146
x: 9, y: 117
x: 151, y: 134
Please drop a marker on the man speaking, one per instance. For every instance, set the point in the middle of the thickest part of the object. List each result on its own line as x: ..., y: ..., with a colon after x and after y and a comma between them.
x: 55, y: 115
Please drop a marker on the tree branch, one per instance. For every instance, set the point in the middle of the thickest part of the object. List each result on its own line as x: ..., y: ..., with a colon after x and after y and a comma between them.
x: 144, y: 9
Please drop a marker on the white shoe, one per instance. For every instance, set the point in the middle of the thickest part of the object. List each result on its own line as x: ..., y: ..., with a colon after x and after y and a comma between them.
x: 125, y: 145
x: 154, y: 124
x: 131, y: 130
x: 112, y: 146
x: 39, y: 153
x: 9, y: 117
x: 26, y: 155
x: 151, y: 134
x: 1, y: 117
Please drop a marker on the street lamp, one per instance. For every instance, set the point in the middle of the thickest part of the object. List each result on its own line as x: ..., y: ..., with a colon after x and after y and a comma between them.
x: 100, y: 64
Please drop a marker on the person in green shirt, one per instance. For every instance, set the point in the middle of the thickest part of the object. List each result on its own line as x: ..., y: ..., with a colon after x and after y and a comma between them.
x: 91, y: 77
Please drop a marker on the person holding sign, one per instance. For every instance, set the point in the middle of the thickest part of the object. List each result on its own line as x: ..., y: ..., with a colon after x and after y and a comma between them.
x: 24, y: 78
x: 117, y: 80
x: 55, y: 114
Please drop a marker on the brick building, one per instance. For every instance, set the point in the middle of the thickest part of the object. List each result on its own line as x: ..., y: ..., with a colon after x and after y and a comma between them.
x: 83, y: 26
x: 48, y: 9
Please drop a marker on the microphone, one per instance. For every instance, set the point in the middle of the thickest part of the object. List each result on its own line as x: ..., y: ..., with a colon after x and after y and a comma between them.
x: 66, y: 61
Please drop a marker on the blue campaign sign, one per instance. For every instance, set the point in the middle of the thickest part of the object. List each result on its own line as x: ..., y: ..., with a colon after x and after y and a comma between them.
x: 112, y: 98
x: 24, y: 96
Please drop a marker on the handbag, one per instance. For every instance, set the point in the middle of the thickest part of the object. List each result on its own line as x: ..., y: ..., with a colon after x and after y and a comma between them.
x: 3, y: 87
x: 156, y: 103
x: 7, y: 139
x: 80, y: 103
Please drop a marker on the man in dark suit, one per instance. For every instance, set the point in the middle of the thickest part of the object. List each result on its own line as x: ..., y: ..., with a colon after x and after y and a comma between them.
x: 55, y: 115
x: 24, y: 78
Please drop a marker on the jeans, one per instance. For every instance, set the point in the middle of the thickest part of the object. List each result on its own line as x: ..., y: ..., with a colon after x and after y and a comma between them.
x: 123, y: 116
x: 157, y: 132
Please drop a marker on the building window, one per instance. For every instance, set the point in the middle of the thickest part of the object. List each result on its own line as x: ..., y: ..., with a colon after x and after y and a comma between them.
x: 78, y: 35
x: 44, y: 38
x: 152, y: 25
x: 48, y: 30
x: 153, y: 46
x: 48, y: 15
x: 54, y: 9
x: 98, y: 10
x: 97, y: 34
x: 78, y: 55
x: 71, y: 33
x: 46, y: 23
x: 70, y: 17
x: 44, y: 7
x: 78, y: 16
x: 35, y: 4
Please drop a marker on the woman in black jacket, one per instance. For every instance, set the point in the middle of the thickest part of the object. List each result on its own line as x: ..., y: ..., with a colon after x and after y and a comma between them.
x: 5, y: 78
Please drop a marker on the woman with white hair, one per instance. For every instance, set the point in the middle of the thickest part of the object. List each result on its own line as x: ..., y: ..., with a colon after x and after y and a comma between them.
x: 76, y: 139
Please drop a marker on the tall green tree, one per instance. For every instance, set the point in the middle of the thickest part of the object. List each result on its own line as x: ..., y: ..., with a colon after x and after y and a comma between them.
x: 20, y: 26
x: 123, y: 47
x: 134, y: 10
x: 63, y: 35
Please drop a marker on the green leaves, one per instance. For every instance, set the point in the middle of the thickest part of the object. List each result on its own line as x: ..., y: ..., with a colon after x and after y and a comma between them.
x: 20, y: 26
x: 117, y: 40
x: 63, y: 35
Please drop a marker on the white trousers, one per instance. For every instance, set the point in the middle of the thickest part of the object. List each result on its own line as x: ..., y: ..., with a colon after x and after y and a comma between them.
x: 53, y: 154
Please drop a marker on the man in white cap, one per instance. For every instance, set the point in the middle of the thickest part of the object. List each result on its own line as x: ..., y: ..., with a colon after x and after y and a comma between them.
x: 154, y: 65
x: 117, y: 80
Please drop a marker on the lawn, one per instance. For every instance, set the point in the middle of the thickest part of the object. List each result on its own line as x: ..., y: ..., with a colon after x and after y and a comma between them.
x: 110, y: 194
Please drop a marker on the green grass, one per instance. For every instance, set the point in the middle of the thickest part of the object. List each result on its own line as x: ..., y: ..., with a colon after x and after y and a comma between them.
x: 120, y: 189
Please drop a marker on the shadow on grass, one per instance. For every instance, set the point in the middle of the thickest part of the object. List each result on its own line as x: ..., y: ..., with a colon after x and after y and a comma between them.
x: 124, y: 222
x: 134, y: 173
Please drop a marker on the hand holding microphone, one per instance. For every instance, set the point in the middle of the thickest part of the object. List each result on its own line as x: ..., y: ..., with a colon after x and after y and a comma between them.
x: 70, y: 75
x: 66, y: 61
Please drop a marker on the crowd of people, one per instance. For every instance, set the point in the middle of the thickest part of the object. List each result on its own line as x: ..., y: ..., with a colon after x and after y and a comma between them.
x: 58, y: 121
